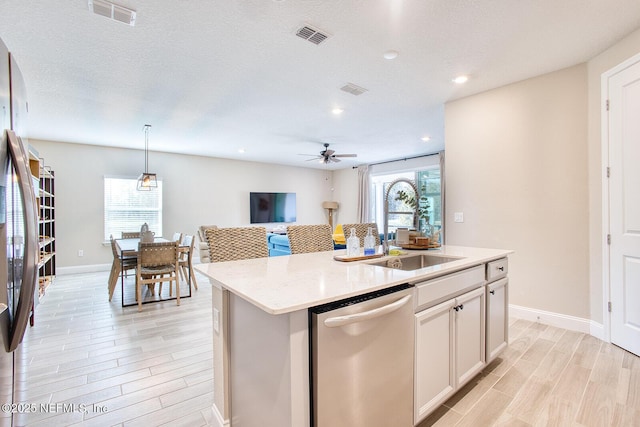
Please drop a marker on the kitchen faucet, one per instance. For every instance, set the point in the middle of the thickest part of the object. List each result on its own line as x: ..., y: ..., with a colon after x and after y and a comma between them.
x: 385, y: 241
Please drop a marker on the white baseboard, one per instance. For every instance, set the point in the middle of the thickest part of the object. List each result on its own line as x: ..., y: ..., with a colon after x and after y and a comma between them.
x: 218, y: 419
x: 564, y: 321
x: 76, y: 269
x: 597, y: 330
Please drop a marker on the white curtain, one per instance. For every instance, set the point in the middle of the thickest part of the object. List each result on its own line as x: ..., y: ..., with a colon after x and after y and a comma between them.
x: 442, y: 196
x: 364, y: 208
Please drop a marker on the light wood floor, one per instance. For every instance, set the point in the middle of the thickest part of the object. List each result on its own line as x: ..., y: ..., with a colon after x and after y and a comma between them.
x: 549, y: 377
x: 129, y: 368
x: 155, y: 368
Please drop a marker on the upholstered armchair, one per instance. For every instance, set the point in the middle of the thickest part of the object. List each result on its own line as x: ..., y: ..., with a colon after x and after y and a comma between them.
x: 203, y: 246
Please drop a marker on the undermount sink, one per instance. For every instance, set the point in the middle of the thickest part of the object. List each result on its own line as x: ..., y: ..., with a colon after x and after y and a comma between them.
x: 414, y: 262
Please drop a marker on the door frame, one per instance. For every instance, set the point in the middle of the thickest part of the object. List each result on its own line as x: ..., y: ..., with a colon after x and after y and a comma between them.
x: 604, y: 143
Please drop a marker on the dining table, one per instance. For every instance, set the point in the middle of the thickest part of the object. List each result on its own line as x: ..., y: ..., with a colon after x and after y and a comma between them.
x: 128, y: 248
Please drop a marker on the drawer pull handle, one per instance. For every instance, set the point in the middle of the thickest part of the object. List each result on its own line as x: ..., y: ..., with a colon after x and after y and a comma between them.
x: 493, y: 292
x: 501, y: 268
x: 459, y: 307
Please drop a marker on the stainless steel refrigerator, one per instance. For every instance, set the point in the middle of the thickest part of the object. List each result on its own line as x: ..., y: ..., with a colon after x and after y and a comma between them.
x: 18, y: 229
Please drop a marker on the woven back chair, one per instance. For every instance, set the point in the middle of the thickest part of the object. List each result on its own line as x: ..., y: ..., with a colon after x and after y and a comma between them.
x: 235, y: 243
x: 361, y: 231
x: 119, y: 266
x: 186, y: 255
x: 157, y: 263
x: 130, y: 234
x: 310, y: 238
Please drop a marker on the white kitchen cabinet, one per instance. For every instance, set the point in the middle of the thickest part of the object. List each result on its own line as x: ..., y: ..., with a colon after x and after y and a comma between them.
x: 434, y: 377
x: 469, y: 335
x: 497, y: 317
x: 450, y: 349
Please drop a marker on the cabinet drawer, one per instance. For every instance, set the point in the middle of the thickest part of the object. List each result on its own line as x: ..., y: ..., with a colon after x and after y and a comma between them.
x: 497, y: 269
x: 435, y: 291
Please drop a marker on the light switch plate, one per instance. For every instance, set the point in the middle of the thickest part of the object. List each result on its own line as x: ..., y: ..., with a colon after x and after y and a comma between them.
x: 458, y: 217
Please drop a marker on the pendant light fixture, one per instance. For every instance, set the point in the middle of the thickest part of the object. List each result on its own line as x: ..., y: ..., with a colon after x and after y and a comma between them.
x: 146, y: 180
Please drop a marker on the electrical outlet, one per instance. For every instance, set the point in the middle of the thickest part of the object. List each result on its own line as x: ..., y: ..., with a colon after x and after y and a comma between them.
x: 80, y: 252
x: 458, y: 217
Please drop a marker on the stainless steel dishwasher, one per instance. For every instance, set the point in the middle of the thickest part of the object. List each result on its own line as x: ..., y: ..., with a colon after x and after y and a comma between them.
x: 362, y: 360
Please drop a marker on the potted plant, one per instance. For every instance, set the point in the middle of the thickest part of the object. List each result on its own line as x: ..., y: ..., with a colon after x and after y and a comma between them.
x: 420, y: 206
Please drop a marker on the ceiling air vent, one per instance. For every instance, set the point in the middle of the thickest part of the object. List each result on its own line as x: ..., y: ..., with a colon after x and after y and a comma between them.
x: 113, y: 11
x: 353, y: 89
x: 312, y: 34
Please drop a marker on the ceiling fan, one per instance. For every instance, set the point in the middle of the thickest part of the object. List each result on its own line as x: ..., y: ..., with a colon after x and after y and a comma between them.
x: 328, y: 156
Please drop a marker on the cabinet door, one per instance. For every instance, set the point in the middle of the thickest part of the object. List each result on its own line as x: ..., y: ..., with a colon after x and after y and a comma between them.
x: 434, y: 378
x: 469, y: 310
x: 497, y: 317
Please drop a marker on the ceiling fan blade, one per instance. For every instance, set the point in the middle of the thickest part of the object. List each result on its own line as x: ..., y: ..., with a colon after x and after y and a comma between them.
x: 327, y: 155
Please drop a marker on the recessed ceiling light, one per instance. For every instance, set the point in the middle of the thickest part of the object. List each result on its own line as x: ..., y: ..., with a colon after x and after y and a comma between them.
x: 240, y: 150
x: 460, y: 79
x: 390, y: 54
x: 337, y: 111
x: 426, y: 138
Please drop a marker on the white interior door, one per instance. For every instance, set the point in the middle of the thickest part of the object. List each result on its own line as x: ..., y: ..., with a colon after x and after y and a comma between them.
x: 624, y: 207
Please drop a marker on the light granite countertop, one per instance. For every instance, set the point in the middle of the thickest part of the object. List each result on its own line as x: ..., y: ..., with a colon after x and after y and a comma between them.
x: 284, y: 284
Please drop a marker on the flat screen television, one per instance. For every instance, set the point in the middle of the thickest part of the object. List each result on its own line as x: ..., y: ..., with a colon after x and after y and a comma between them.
x: 272, y: 207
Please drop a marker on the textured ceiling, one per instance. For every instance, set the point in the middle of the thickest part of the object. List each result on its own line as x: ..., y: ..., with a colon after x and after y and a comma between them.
x: 215, y: 76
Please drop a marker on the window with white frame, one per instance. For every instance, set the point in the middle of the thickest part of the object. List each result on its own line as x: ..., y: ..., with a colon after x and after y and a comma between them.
x: 126, y: 208
x: 425, y: 174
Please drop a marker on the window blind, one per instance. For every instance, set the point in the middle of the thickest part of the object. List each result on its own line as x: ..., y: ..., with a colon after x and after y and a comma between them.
x: 126, y: 209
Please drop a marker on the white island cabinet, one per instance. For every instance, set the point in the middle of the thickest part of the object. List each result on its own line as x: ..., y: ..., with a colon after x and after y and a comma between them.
x: 497, y: 307
x: 261, y: 338
x: 450, y: 338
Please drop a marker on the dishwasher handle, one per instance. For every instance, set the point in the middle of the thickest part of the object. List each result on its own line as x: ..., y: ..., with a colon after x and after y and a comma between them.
x: 334, y: 322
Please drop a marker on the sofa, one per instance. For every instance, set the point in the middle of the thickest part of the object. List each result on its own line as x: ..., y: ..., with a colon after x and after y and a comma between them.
x: 278, y: 244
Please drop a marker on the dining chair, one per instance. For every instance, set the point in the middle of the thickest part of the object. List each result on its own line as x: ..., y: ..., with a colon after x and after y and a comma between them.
x: 157, y: 263
x: 130, y: 234
x: 235, y: 243
x: 119, y: 266
x: 310, y: 238
x: 186, y: 256
x: 361, y: 231
x: 177, y: 237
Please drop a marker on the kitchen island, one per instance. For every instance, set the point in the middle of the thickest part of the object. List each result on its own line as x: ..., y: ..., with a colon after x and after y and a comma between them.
x: 261, y: 322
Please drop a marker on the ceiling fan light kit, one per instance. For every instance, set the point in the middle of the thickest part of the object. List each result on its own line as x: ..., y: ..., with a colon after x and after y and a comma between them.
x: 327, y: 155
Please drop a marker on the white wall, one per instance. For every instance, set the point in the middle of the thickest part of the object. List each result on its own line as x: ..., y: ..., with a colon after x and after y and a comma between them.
x: 516, y: 166
x: 197, y: 190
x: 345, y: 184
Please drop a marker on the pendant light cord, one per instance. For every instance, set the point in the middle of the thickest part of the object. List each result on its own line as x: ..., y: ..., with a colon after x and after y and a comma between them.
x: 146, y: 148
